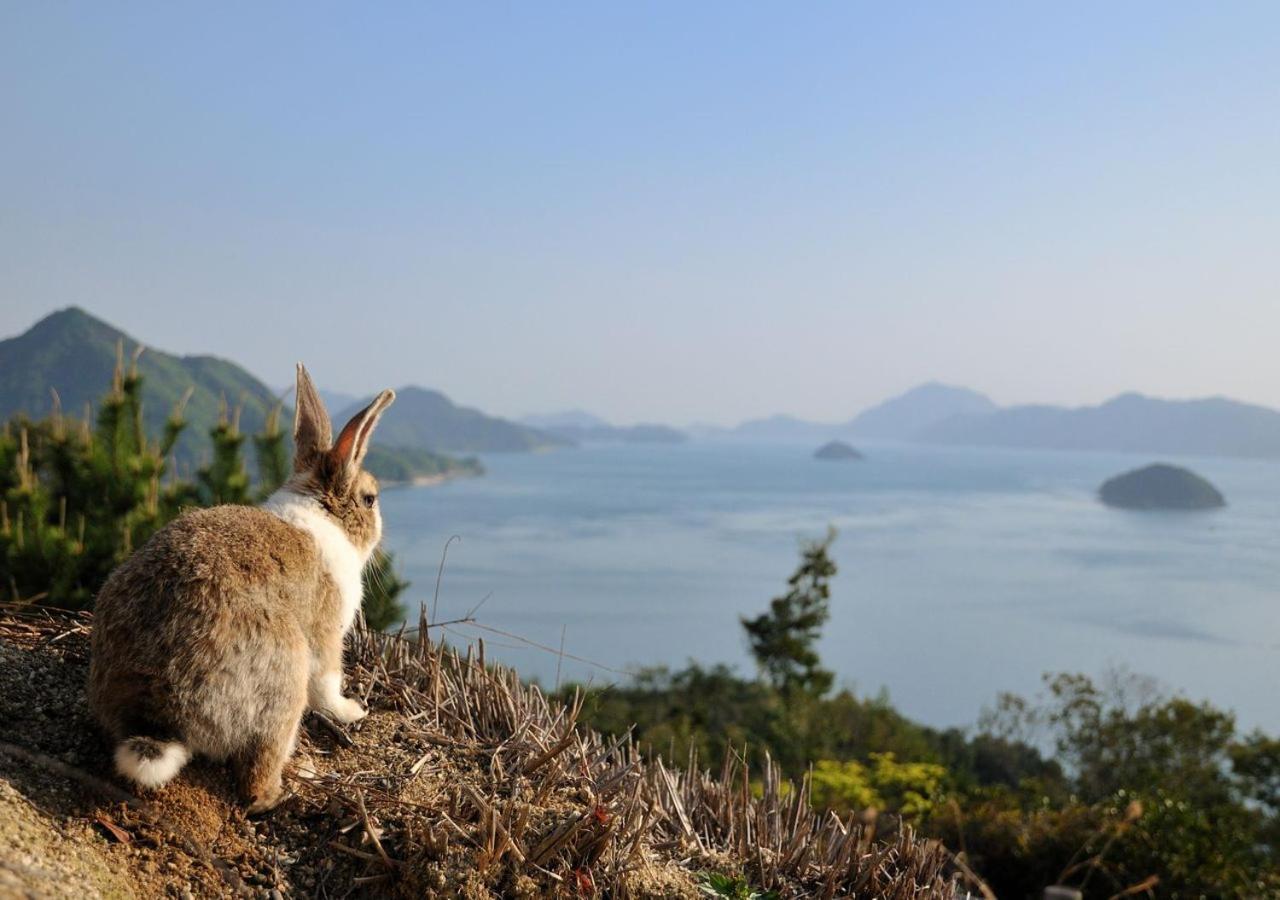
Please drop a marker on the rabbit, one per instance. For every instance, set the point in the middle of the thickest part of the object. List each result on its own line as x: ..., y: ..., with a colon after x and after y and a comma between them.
x: 228, y: 623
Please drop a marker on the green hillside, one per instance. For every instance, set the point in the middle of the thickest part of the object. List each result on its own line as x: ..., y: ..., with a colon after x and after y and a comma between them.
x: 74, y: 353
x: 425, y: 418
x: 404, y: 465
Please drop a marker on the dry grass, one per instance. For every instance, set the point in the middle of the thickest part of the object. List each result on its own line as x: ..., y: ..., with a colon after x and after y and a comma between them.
x: 462, y: 781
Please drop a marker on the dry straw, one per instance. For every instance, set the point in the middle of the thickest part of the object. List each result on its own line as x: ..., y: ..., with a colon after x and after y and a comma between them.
x: 630, y: 814
x: 465, y: 780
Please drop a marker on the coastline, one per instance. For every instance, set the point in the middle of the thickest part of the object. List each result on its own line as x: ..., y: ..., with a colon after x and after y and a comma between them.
x: 432, y: 480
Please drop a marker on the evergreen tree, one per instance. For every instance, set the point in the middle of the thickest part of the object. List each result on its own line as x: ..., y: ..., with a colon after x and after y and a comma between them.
x: 77, y: 496
x: 225, y: 479
x: 381, y: 588
x: 782, y: 639
x: 272, y: 450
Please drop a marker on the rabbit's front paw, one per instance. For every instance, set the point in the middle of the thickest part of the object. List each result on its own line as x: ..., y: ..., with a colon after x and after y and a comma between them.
x: 326, y: 697
x: 346, y: 710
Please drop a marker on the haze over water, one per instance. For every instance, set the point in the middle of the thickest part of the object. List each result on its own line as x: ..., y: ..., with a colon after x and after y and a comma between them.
x: 963, y: 572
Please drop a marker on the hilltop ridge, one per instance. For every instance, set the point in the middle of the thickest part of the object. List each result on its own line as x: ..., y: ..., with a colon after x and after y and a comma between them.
x: 905, y: 416
x: 901, y: 417
x: 1131, y: 422
x: 1127, y: 423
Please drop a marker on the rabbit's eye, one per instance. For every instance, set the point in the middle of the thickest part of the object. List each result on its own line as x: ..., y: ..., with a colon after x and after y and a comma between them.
x: 369, y: 500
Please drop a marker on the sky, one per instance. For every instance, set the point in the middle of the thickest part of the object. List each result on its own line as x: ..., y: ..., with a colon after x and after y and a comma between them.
x: 664, y: 212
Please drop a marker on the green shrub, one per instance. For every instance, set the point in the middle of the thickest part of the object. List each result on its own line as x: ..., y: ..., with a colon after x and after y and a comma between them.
x: 1140, y: 785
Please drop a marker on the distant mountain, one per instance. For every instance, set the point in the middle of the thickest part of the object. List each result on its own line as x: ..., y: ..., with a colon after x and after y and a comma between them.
x: 624, y: 434
x: 428, y: 419
x: 1130, y: 423
x: 899, y: 418
x: 571, y: 418
x: 579, y: 427
x: 706, y: 431
x: 75, y: 353
x: 332, y: 399
x: 784, y: 427
x: 907, y: 415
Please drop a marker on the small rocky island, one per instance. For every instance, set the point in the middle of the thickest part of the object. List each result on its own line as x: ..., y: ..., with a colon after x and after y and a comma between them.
x: 836, y: 450
x: 1160, y: 486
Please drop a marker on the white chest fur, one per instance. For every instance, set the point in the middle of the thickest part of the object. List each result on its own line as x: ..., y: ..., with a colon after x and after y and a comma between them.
x: 339, y: 556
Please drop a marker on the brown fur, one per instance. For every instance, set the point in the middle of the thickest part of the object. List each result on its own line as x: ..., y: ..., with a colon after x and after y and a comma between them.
x: 346, y: 505
x: 214, y: 633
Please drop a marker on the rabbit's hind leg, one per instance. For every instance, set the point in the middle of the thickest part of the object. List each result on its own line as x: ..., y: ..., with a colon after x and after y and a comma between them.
x: 259, y: 764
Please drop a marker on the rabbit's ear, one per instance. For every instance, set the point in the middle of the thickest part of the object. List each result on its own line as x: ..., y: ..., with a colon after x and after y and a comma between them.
x: 312, y: 431
x: 353, y: 442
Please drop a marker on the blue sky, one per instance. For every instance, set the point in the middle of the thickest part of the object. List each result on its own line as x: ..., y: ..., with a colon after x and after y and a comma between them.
x: 669, y: 212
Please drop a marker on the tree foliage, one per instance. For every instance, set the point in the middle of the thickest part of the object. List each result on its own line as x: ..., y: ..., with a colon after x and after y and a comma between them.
x: 272, y: 450
x: 783, y: 640
x: 1158, y: 786
x: 224, y: 479
x: 79, y: 494
x: 1109, y: 785
x: 910, y: 789
x: 382, y: 585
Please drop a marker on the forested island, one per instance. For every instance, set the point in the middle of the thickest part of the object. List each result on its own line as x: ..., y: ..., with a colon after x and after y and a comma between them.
x: 416, y: 465
x: 1160, y: 486
x: 837, y: 450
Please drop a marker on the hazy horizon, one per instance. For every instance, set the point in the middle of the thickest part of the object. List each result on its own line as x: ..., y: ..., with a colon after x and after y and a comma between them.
x: 672, y: 214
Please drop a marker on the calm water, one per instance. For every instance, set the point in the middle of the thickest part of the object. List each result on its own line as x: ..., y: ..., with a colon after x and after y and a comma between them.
x: 962, y: 572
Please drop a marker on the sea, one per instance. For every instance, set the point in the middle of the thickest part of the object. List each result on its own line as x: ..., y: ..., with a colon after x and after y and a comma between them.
x: 963, y: 573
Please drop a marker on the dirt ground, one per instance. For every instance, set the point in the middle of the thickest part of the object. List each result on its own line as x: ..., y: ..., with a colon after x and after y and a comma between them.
x: 68, y: 827
x: 459, y: 783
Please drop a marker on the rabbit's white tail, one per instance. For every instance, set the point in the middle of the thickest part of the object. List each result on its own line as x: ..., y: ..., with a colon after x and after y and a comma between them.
x: 150, y: 762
